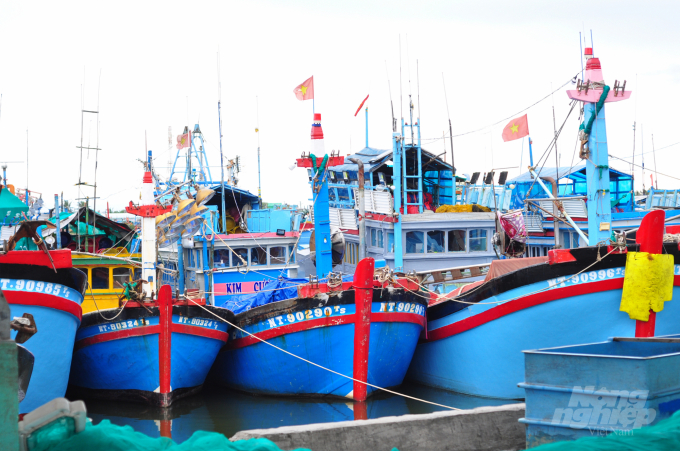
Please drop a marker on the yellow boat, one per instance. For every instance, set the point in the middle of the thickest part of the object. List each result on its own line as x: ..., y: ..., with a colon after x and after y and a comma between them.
x: 106, y: 276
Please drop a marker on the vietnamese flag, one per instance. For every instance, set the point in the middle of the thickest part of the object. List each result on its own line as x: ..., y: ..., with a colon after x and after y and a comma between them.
x: 305, y: 91
x: 516, y: 128
x: 362, y: 104
x: 184, y: 140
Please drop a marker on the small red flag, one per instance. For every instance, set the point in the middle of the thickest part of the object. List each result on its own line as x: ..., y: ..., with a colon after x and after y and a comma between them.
x: 184, y: 140
x: 516, y: 128
x: 305, y: 90
x: 362, y: 104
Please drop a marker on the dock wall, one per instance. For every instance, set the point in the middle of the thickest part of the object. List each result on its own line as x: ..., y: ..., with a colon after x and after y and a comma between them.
x: 483, y: 428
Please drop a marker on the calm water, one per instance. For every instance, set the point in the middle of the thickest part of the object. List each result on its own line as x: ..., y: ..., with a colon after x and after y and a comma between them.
x: 221, y: 410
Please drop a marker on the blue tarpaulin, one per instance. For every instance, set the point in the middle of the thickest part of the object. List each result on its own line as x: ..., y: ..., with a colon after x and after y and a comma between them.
x: 277, y: 290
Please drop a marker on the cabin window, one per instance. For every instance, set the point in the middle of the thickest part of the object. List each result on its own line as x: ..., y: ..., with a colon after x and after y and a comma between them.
x: 456, y: 241
x: 278, y: 255
x: 376, y: 237
x: 100, y: 278
x: 241, y: 252
x: 258, y: 256
x: 478, y: 240
x: 414, y: 243
x: 435, y: 241
x: 390, y: 242
x: 121, y: 275
x: 221, y: 258
x: 291, y: 252
x: 343, y: 194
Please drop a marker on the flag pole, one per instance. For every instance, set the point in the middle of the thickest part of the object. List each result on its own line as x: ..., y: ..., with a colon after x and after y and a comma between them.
x: 531, y: 155
x: 366, y: 126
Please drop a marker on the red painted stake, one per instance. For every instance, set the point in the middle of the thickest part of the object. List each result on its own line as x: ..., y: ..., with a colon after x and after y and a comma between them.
x: 166, y: 428
x: 363, y: 296
x: 164, y: 342
x: 650, y: 239
x: 360, y: 411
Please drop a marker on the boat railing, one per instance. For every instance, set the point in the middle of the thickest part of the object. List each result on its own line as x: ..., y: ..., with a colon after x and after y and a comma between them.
x: 439, y: 276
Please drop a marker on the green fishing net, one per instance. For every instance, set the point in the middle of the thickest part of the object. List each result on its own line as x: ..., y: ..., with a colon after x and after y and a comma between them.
x: 664, y: 436
x: 110, y: 437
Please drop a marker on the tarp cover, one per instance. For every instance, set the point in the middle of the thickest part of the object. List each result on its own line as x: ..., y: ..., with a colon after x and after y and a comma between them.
x: 277, y: 290
x: 501, y: 267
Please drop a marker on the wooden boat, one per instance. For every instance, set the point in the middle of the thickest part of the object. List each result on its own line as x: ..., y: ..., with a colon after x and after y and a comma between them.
x: 44, y: 284
x: 363, y: 329
x: 475, y: 338
x: 154, y: 349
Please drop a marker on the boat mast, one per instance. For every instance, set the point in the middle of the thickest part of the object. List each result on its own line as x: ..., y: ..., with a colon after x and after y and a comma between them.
x: 219, y: 117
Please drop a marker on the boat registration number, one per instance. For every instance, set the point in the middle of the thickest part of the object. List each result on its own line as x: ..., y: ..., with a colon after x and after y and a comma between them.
x: 306, y: 315
x: 36, y: 287
x: 404, y: 307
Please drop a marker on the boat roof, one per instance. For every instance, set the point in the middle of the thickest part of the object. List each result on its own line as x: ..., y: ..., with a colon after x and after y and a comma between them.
x: 577, y: 172
x: 374, y: 158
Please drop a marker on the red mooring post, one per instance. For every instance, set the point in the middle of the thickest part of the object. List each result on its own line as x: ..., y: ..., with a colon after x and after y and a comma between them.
x: 650, y: 239
x: 164, y: 342
x: 363, y: 296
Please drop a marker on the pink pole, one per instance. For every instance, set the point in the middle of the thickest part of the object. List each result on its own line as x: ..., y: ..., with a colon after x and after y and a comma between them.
x: 363, y: 296
x: 164, y: 342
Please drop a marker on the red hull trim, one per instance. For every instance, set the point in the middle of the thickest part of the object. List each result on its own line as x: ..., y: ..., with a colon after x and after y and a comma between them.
x: 376, y: 317
x: 44, y: 300
x: 150, y: 330
x: 524, y: 303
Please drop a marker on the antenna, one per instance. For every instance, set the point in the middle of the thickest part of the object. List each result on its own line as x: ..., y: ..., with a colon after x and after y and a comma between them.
x: 257, y: 130
x: 418, y: 89
x: 401, y: 98
x: 26, y: 166
x: 453, y: 161
x: 580, y: 44
x: 592, y: 46
x: 389, y: 88
x: 656, y: 174
x: 219, y: 117
x: 557, y: 162
x: 96, y: 158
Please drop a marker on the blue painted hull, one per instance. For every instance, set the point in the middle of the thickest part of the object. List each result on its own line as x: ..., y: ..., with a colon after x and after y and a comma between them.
x: 322, y: 333
x: 119, y: 359
x: 478, y: 350
x: 52, y: 347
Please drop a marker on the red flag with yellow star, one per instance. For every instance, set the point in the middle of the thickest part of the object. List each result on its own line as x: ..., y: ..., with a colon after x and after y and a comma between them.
x: 516, y: 128
x: 305, y: 91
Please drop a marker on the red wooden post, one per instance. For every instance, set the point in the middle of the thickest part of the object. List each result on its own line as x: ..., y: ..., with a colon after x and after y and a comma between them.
x: 363, y: 296
x: 164, y: 342
x: 650, y: 238
x: 166, y: 428
x: 360, y: 410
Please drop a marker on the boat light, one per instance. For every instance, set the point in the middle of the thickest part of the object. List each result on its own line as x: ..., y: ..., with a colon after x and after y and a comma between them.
x: 204, y: 195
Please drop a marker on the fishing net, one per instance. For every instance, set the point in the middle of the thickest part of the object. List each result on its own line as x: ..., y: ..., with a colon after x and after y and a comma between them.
x: 661, y: 437
x: 110, y: 437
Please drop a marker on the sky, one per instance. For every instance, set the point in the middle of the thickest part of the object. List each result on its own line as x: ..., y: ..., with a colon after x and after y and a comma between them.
x: 148, y: 66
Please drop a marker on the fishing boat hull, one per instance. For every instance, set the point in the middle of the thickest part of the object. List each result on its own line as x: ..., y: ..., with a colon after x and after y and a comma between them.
x: 121, y: 359
x: 321, y: 330
x: 476, y: 348
x: 53, y: 298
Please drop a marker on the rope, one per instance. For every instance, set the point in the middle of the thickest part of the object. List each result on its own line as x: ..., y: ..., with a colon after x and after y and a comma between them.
x: 320, y: 366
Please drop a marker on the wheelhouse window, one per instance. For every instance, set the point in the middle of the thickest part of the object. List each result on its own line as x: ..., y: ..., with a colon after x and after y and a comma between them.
x: 221, y: 257
x: 376, y: 237
x: 390, y: 242
x: 456, y: 241
x: 478, y: 241
x: 241, y: 252
x: 277, y: 255
x: 100, y: 278
x: 435, y: 241
x: 415, y: 243
x: 258, y: 256
x: 291, y: 250
x: 121, y: 276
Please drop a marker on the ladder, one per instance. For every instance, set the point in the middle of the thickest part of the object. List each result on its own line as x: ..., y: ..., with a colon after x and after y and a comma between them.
x: 418, y: 176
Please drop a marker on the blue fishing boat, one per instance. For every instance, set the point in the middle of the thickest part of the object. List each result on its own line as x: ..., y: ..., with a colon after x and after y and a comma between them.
x: 153, y: 348
x: 43, y: 285
x: 476, y: 335
x: 364, y: 327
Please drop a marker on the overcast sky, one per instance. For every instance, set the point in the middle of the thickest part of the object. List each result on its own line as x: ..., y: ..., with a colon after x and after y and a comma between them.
x: 158, y: 66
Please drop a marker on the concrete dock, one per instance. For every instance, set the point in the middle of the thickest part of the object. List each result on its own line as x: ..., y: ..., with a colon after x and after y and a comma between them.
x: 483, y: 428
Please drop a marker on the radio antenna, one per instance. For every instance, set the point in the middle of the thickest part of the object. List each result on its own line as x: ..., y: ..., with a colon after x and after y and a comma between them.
x: 389, y: 88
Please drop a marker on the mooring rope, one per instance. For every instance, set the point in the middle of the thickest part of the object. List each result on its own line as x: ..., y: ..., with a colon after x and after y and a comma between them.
x: 320, y: 366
